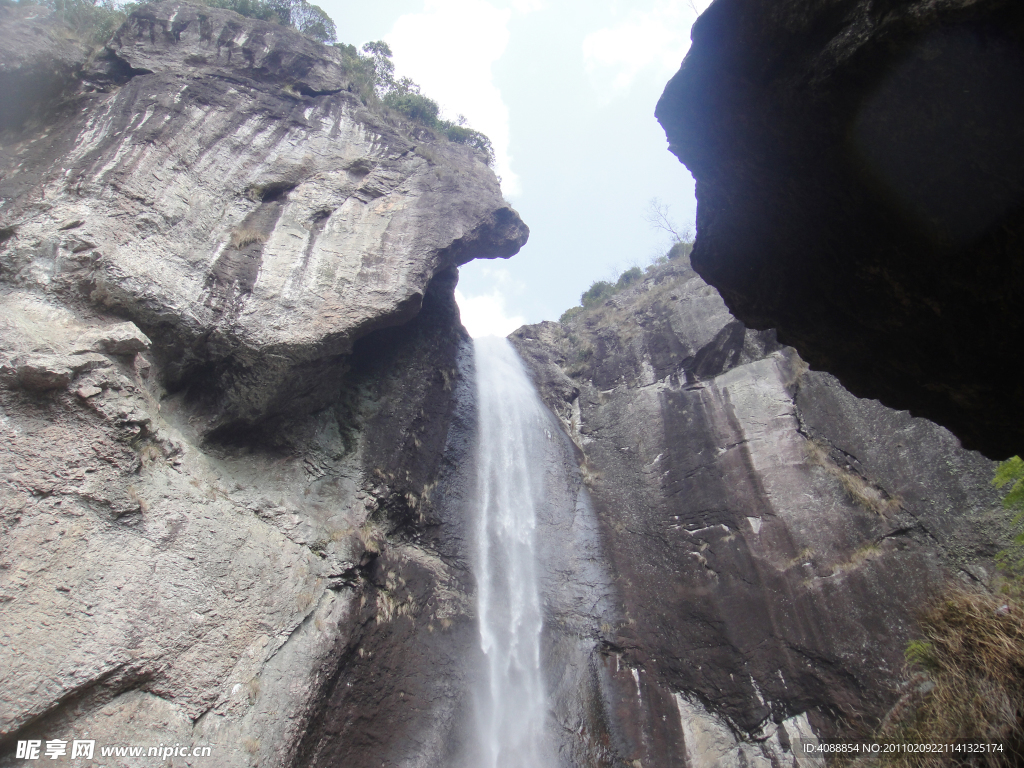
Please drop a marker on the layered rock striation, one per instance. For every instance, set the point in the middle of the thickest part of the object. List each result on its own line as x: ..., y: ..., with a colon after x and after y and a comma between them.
x: 860, y: 186
x: 769, y: 537
x: 214, y: 180
x: 229, y: 363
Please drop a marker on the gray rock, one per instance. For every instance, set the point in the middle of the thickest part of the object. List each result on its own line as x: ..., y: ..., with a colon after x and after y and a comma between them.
x: 117, y: 339
x: 54, y: 371
x: 770, y: 536
x: 229, y: 364
x: 38, y: 72
x: 253, y: 245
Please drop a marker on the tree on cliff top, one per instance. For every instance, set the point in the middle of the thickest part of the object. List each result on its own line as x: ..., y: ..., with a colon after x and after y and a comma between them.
x: 404, y: 96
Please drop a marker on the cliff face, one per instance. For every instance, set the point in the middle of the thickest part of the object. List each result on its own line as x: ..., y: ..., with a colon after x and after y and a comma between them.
x: 860, y: 186
x: 770, y: 537
x: 229, y: 364
x: 213, y: 180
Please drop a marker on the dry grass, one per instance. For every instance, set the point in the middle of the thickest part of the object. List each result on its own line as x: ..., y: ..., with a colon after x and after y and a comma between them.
x: 972, y: 687
x: 304, y: 599
x: 857, y: 558
x: 252, y: 690
x: 371, y: 536
x: 245, y: 236
x: 859, y: 490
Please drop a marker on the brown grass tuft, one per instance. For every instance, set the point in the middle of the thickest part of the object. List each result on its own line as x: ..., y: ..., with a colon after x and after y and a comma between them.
x: 245, y: 236
x: 972, y: 686
x: 859, y: 490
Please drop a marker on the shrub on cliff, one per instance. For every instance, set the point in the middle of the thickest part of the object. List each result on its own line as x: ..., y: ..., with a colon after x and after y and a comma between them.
x: 629, y: 277
x: 596, y: 293
x: 970, y: 661
x: 680, y: 249
x: 373, y: 71
x: 970, y: 684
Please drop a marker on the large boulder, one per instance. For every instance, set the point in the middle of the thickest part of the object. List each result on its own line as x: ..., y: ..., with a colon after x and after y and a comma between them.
x: 220, y: 186
x: 860, y: 186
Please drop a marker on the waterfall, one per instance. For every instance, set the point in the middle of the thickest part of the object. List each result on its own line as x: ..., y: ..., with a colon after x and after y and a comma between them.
x: 511, y: 447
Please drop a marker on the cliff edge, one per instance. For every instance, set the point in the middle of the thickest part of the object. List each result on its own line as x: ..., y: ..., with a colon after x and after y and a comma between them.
x: 860, y: 187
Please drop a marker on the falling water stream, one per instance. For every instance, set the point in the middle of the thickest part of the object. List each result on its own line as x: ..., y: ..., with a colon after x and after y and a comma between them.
x: 512, y: 432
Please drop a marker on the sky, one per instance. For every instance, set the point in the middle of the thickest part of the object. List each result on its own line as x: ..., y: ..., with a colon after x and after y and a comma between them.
x: 566, y: 91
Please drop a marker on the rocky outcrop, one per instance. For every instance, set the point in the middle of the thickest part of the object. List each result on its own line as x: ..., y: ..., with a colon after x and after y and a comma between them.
x: 860, y: 186
x: 770, y: 537
x: 219, y: 186
x: 229, y: 362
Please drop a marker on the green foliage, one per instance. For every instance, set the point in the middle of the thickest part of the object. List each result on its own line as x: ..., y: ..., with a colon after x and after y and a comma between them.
x: 460, y: 134
x: 95, y: 21
x: 374, y: 68
x: 1011, y: 472
x: 629, y: 277
x: 602, y: 290
x: 679, y: 249
x: 253, y: 9
x: 360, y: 71
x: 921, y: 653
x: 596, y: 293
x: 371, y: 71
x: 311, y: 20
x: 415, y: 106
x: 569, y: 314
x: 379, y: 54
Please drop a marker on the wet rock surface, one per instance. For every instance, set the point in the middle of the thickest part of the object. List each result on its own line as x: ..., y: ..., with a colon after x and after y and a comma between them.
x: 860, y: 186
x: 770, y: 537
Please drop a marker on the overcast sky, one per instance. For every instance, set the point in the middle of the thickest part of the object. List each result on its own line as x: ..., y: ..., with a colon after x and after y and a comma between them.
x: 566, y: 91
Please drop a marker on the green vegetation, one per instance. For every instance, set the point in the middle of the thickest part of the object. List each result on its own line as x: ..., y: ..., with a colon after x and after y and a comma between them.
x: 91, y: 21
x: 403, y: 96
x: 602, y: 290
x: 1011, y: 472
x: 597, y: 293
x: 679, y: 249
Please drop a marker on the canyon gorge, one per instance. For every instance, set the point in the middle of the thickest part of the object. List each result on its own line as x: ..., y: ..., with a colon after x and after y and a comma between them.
x: 261, y: 492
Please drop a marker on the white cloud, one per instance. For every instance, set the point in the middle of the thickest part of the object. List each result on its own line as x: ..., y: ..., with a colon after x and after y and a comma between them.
x: 449, y: 49
x: 485, y: 315
x: 655, y: 40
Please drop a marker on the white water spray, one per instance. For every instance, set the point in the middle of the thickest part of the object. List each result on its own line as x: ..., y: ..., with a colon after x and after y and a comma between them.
x: 512, y: 433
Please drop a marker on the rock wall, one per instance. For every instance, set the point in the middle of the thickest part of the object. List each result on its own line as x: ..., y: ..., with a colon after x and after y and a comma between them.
x: 860, y: 187
x: 769, y: 537
x: 229, y: 359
